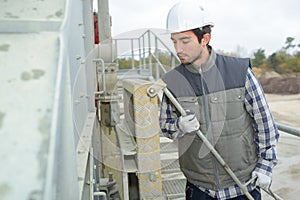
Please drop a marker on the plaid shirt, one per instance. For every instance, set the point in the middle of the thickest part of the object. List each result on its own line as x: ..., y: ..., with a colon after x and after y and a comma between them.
x: 266, y: 133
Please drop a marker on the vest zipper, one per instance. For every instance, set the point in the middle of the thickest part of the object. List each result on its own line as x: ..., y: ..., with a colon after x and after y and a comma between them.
x: 208, y: 126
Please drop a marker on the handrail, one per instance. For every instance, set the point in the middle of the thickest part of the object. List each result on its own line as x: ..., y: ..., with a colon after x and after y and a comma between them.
x: 146, y: 48
x: 163, y: 43
x: 160, y: 65
x: 288, y: 129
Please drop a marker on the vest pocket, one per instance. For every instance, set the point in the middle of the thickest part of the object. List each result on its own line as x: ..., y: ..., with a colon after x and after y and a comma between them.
x: 226, y: 106
x: 190, y: 103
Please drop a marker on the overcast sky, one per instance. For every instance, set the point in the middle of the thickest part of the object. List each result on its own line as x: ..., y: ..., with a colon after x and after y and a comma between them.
x: 249, y: 24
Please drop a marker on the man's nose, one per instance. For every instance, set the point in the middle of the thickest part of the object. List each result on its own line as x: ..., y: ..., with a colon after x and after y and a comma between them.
x: 178, y: 48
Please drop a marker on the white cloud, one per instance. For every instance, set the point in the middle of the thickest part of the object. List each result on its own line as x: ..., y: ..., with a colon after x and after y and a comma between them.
x: 251, y: 24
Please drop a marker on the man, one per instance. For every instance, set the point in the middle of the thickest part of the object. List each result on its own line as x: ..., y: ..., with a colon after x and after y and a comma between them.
x: 225, y: 101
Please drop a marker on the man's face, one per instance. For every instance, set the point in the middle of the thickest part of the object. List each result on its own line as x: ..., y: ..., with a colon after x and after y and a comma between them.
x: 187, y: 47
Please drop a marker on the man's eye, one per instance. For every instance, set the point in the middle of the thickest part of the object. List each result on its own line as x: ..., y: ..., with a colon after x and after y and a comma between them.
x: 185, y: 41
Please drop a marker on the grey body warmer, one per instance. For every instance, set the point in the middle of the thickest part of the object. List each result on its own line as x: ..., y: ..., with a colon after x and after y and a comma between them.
x: 216, y: 94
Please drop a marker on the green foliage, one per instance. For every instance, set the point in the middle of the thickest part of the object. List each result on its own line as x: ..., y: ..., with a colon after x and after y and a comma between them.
x: 259, y: 57
x: 274, y: 61
x: 126, y: 63
x: 288, y: 42
x: 148, y: 61
x: 286, y: 60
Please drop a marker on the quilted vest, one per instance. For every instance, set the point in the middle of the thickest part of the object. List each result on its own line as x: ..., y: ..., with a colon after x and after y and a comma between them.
x: 217, y: 96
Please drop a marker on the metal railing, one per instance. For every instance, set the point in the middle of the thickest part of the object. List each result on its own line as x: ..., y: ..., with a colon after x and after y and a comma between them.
x: 144, y: 52
x: 288, y: 129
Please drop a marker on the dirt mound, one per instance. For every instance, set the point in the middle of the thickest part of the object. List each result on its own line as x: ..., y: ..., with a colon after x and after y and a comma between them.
x: 261, y: 73
x: 281, y: 85
x: 275, y: 83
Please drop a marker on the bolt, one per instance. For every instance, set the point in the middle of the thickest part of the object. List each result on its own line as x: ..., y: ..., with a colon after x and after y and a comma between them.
x: 151, y: 90
x: 110, y: 177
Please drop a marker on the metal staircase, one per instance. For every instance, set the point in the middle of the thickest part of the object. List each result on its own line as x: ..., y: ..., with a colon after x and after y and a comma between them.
x: 143, y: 63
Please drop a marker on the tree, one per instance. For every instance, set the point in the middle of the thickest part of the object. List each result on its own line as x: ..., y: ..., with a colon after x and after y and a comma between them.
x: 259, y: 57
x: 288, y: 42
x: 274, y: 61
x: 290, y: 46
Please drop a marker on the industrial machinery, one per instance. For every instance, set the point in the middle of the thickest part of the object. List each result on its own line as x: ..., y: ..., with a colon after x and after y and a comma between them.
x: 73, y: 128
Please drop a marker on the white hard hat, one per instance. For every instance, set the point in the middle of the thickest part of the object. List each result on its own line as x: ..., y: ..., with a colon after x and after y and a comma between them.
x: 185, y: 16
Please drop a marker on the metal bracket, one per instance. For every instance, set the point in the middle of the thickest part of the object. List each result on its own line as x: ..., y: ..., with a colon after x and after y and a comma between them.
x: 155, y: 88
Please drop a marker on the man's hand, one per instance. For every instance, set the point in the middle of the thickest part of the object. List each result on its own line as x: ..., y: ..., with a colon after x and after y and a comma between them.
x: 263, y: 180
x: 188, y: 123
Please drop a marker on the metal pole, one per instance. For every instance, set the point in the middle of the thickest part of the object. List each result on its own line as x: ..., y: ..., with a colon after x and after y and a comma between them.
x: 103, y: 73
x: 210, y: 147
x: 172, y: 61
x: 150, y: 53
x: 132, y: 55
x: 156, y: 63
x: 288, y: 129
x: 116, y: 45
x: 104, y: 21
x: 144, y: 53
x: 140, y: 54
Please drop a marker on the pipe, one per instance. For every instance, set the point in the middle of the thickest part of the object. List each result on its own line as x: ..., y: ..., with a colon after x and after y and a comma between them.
x: 288, y: 129
x: 103, y: 73
x: 102, y: 195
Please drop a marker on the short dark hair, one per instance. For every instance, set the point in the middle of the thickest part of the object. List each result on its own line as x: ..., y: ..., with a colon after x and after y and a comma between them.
x: 199, y: 32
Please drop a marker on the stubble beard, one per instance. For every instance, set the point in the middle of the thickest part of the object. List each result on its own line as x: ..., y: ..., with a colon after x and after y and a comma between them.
x: 192, y: 60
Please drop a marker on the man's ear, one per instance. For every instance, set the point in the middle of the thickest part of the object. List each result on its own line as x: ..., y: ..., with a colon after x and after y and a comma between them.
x: 205, y: 39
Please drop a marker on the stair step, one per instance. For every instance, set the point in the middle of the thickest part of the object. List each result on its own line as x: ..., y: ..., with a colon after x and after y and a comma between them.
x: 174, y: 189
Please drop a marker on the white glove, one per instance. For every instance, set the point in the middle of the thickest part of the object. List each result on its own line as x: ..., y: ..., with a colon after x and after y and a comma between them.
x: 263, y: 180
x: 188, y: 123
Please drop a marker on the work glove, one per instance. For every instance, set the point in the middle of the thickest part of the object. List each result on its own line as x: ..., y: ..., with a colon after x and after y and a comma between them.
x: 188, y: 123
x: 263, y: 180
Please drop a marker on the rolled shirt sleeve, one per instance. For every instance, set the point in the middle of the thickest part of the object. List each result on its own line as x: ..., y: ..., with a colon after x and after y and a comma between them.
x: 169, y: 120
x: 266, y: 132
